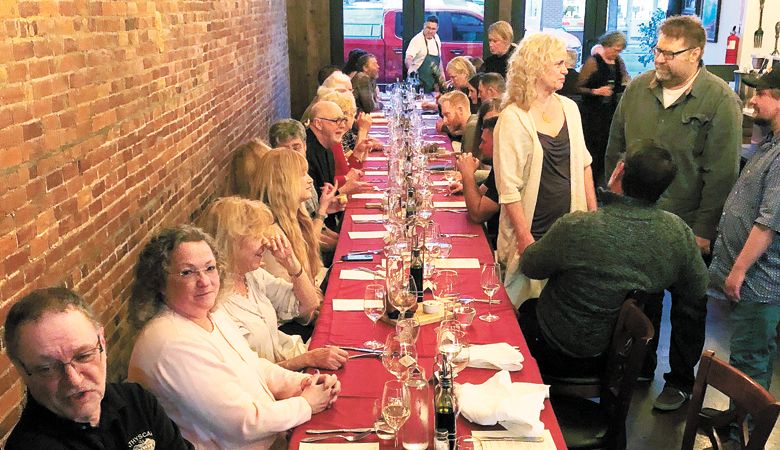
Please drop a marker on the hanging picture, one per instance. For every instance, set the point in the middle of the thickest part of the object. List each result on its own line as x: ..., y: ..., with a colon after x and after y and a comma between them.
x: 709, y: 11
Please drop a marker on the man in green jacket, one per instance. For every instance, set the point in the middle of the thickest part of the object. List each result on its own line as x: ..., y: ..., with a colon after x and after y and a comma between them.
x: 693, y: 114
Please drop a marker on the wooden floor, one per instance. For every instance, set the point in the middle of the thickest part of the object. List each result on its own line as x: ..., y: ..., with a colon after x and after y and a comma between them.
x: 651, y: 429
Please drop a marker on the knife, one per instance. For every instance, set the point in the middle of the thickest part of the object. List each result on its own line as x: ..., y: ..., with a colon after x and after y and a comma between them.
x: 356, y: 349
x: 510, y: 438
x: 340, y: 430
x: 461, y: 235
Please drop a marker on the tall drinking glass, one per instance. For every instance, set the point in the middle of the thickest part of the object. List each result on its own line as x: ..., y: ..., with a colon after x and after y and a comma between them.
x: 374, y: 307
x: 395, y: 405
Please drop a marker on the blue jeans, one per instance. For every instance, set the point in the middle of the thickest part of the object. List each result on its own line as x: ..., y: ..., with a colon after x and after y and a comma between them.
x: 753, y: 340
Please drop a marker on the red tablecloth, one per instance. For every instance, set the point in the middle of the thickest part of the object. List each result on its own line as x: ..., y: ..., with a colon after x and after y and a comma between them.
x: 362, y: 379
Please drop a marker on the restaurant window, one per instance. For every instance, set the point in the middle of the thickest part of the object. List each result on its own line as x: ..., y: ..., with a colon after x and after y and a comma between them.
x: 627, y: 16
x: 564, y: 18
x: 461, y: 27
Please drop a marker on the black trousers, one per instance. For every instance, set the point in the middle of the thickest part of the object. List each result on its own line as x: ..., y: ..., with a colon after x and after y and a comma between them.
x: 552, y: 361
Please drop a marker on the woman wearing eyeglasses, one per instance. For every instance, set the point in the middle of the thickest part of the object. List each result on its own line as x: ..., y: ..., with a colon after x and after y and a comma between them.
x: 253, y: 297
x: 196, y: 361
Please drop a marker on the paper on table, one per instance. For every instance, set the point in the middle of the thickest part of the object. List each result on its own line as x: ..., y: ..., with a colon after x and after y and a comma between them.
x: 371, y: 196
x: 374, y: 172
x: 449, y: 204
x: 359, y: 217
x: 349, y: 274
x: 367, y: 234
x: 457, y: 263
x: 344, y: 446
x: 376, y: 158
x: 348, y: 304
x: 440, y: 183
x: 548, y: 442
x: 456, y: 146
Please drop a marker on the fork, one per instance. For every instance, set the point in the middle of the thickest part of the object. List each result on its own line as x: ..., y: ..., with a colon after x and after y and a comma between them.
x: 758, y: 36
x: 348, y: 438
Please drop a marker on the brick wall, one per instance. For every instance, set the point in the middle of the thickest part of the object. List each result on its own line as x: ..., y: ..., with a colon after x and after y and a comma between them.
x: 118, y: 117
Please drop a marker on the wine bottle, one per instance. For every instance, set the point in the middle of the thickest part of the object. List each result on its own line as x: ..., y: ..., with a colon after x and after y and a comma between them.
x: 416, y: 271
x: 444, y: 403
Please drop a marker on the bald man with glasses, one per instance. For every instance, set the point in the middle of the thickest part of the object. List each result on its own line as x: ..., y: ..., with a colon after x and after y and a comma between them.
x: 694, y: 115
x: 59, y: 351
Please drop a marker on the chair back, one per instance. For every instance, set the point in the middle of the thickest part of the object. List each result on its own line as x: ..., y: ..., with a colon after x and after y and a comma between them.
x: 630, y: 339
x: 747, y: 396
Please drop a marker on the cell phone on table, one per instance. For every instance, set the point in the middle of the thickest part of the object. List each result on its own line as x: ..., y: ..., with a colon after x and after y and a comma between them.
x: 357, y: 257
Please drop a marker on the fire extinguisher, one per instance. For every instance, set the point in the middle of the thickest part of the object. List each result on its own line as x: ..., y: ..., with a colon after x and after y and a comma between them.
x: 732, y: 47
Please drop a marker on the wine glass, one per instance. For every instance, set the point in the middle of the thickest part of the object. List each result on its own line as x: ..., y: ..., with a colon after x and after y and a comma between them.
x: 374, y: 307
x: 445, y: 246
x: 396, y: 405
x: 398, y: 355
x: 489, y: 280
x: 445, y: 285
x: 404, y: 295
x: 408, y: 329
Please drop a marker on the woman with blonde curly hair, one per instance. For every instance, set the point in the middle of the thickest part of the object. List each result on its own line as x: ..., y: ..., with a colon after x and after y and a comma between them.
x: 255, y: 299
x: 282, y: 184
x: 541, y: 163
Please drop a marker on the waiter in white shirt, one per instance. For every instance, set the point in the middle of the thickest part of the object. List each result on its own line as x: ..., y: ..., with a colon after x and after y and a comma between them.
x: 423, y: 56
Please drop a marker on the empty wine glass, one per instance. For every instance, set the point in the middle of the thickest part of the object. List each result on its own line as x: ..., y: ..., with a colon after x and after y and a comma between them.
x: 403, y: 295
x: 374, y: 307
x: 398, y: 355
x: 445, y: 285
x: 396, y: 405
x: 489, y: 280
x: 408, y: 330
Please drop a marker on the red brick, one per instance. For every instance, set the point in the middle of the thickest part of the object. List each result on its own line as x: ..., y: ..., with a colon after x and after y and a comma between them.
x: 53, y: 180
x: 32, y: 130
x: 23, y: 50
x: 10, y: 157
x: 27, y: 9
x: 12, y: 94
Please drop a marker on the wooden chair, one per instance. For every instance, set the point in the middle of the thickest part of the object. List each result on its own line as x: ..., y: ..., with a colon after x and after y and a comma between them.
x: 587, y: 424
x: 747, y: 396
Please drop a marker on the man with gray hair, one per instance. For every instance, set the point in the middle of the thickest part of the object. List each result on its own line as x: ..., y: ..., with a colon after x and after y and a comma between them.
x: 694, y: 115
x: 58, y: 349
x: 491, y: 85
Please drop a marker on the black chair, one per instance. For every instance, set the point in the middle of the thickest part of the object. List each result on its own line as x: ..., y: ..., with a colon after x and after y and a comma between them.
x: 588, y: 424
x: 747, y: 396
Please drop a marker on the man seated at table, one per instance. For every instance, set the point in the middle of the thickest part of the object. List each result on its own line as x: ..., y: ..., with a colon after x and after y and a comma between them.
x: 491, y: 85
x: 594, y: 259
x: 59, y: 350
x: 457, y: 117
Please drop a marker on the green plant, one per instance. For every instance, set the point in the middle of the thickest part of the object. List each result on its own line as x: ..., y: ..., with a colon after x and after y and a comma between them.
x: 649, y: 36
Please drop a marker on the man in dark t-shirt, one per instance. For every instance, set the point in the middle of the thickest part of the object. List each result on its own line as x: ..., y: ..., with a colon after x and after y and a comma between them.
x: 58, y: 349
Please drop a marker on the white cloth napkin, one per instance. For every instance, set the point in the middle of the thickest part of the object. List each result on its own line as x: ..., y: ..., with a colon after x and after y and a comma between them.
x: 367, y: 234
x: 370, y: 196
x: 344, y: 446
x: 456, y: 263
x: 500, y: 355
x: 500, y: 400
x: 349, y: 274
x: 360, y: 217
x: 349, y: 304
x: 449, y: 204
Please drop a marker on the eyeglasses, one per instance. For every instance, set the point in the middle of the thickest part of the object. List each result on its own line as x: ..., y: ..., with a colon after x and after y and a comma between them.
x: 193, y: 274
x: 668, y: 54
x: 57, y: 369
x: 340, y: 121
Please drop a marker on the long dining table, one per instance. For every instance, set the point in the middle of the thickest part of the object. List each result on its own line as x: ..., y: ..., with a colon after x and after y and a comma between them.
x: 362, y: 379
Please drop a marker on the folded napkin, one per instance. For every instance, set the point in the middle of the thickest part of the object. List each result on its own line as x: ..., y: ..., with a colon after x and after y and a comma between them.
x: 374, y: 172
x: 367, y: 234
x: 349, y: 274
x: 500, y: 356
x: 342, y: 446
x: 349, y: 304
x: 500, y: 400
x: 457, y: 263
x: 368, y: 196
x: 359, y: 217
x: 449, y: 204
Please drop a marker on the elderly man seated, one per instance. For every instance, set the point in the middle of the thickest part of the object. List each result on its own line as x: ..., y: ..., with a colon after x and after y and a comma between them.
x: 59, y: 351
x: 594, y: 259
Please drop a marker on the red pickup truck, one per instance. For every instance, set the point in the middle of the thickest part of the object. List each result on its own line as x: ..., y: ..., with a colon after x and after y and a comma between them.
x: 377, y: 28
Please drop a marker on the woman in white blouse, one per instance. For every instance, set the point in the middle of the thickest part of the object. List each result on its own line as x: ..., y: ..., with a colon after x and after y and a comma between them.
x: 254, y: 298
x: 196, y: 361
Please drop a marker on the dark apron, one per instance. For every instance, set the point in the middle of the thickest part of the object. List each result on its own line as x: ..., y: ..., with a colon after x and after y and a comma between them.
x: 428, y: 78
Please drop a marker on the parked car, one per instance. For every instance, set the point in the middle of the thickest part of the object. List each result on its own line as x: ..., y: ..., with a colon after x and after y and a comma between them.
x: 378, y: 29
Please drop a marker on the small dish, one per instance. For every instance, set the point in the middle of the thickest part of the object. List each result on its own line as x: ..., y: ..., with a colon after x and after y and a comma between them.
x: 431, y: 306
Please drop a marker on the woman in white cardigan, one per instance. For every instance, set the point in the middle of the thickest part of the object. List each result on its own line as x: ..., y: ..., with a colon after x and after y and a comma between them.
x: 534, y: 118
x: 253, y: 298
x: 193, y: 358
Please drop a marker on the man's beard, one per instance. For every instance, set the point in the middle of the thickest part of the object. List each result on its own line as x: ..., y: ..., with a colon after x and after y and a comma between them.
x: 762, y: 122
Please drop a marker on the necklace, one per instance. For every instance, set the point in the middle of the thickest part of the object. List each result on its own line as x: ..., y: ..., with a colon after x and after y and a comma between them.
x: 547, y: 118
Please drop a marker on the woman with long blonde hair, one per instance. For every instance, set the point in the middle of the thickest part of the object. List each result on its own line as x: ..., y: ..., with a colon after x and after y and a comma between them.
x: 283, y: 183
x: 541, y: 163
x: 255, y: 299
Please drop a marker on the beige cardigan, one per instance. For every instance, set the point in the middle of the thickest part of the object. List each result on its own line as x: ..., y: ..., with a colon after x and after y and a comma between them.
x: 517, y: 158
